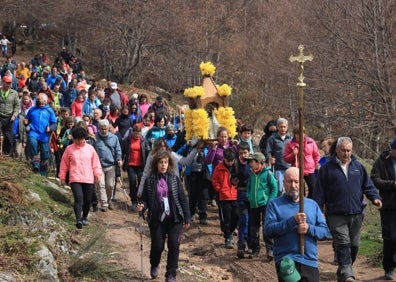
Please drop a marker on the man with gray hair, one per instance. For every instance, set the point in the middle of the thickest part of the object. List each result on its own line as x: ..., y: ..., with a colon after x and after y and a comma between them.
x: 275, y: 150
x: 109, y: 151
x: 341, y: 183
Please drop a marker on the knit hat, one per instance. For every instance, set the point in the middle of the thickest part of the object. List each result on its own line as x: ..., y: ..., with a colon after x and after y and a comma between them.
x: 393, y: 144
x: 288, y: 271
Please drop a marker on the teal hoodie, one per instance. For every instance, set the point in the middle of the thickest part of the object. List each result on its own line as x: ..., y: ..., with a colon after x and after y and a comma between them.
x: 261, y: 188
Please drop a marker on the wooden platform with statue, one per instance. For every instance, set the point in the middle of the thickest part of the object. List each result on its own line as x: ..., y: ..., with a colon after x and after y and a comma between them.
x: 208, y: 107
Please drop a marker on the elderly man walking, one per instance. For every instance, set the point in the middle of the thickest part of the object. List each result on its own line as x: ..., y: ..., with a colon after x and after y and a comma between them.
x: 339, y: 190
x: 109, y: 151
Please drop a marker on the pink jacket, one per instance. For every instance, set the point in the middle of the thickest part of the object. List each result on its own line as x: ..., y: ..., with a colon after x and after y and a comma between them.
x: 82, y: 163
x: 311, y: 154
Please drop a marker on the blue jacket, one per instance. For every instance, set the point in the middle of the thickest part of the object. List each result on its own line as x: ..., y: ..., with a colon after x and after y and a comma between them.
x: 282, y: 227
x: 276, y: 148
x: 87, y: 107
x: 155, y: 133
x: 340, y: 194
x: 108, y: 148
x: 39, y: 118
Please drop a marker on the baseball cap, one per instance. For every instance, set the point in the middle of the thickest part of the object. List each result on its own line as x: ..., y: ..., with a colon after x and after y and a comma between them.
x: 7, y: 79
x: 113, y: 85
x: 288, y: 271
x: 259, y: 157
x: 393, y: 144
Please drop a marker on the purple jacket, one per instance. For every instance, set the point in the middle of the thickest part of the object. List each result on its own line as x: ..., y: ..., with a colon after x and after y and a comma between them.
x: 215, y: 155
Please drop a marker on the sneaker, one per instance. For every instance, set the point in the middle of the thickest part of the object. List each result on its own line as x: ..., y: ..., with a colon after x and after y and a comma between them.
x: 154, y: 272
x: 213, y: 203
x: 85, y: 221
x: 203, y: 221
x: 254, y: 254
x: 229, y: 243
x: 170, y: 278
x: 389, y: 275
x: 133, y: 207
x: 95, y: 207
x: 79, y: 224
x: 270, y: 255
x: 350, y: 279
x: 111, y: 207
x: 241, y: 253
x: 104, y: 209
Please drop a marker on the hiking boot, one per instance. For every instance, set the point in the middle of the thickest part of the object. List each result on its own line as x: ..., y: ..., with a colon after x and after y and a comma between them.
x: 229, y: 244
x: 95, y: 207
x: 388, y: 275
x: 170, y: 278
x: 241, y: 253
x: 203, y: 221
x: 85, y: 221
x: 133, y: 207
x: 350, y: 279
x: 154, y: 272
x: 111, y: 207
x: 104, y: 209
x: 79, y: 224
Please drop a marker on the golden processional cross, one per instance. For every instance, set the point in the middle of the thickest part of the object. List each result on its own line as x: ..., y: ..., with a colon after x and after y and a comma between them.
x: 301, y: 59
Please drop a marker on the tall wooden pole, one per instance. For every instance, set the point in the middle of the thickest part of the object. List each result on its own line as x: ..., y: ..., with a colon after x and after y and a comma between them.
x: 301, y: 59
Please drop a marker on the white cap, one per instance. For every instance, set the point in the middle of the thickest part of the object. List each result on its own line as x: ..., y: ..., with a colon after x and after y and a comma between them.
x: 113, y: 85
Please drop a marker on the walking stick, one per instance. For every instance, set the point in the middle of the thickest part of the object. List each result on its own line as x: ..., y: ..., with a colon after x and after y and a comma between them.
x: 301, y: 59
x: 141, y: 219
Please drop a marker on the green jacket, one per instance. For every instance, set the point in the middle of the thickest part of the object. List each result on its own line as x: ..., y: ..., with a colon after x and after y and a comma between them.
x: 261, y: 188
x: 10, y: 106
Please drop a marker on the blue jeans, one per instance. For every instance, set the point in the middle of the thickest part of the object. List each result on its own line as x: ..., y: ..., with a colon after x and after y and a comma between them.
x: 37, y: 146
x: 279, y: 175
x: 243, y: 223
x: 4, y: 50
x: 346, y: 237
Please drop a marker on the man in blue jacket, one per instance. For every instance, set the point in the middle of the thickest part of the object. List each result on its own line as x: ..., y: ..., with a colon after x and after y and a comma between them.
x: 41, y: 120
x: 339, y: 190
x: 109, y: 151
x: 284, y: 223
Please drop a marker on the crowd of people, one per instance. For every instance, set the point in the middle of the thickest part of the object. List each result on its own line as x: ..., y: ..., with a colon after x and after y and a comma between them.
x: 53, y: 114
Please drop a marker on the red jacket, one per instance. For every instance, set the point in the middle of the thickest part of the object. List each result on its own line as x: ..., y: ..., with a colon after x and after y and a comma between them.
x: 221, y: 181
x: 311, y: 154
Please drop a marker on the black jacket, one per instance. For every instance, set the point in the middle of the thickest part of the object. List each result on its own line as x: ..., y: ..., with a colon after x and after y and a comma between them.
x: 180, y: 210
x: 144, y: 149
x: 383, y: 176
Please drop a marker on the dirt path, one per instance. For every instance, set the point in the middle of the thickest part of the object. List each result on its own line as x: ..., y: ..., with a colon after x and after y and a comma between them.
x: 202, y: 255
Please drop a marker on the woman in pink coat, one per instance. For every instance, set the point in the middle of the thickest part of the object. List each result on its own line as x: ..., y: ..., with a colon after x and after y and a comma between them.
x: 311, y: 157
x: 81, y: 161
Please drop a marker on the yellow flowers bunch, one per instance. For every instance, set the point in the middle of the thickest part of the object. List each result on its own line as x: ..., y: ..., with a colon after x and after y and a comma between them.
x: 196, y: 123
x: 207, y: 69
x: 225, y: 117
x: 194, y: 92
x: 224, y: 90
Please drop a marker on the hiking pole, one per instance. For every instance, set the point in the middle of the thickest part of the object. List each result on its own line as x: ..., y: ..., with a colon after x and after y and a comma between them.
x: 141, y: 219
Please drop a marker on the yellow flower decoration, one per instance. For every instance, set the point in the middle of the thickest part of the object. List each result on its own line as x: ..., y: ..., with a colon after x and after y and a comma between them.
x: 226, y: 118
x: 196, y: 123
x: 224, y: 90
x: 194, y: 92
x: 207, y: 69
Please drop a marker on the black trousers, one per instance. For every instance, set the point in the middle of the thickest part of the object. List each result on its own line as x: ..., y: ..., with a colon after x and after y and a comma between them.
x: 158, y: 235
x: 388, y: 225
x: 6, y: 129
x: 82, y: 193
x: 230, y: 214
x: 134, y: 176
x: 198, y: 194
